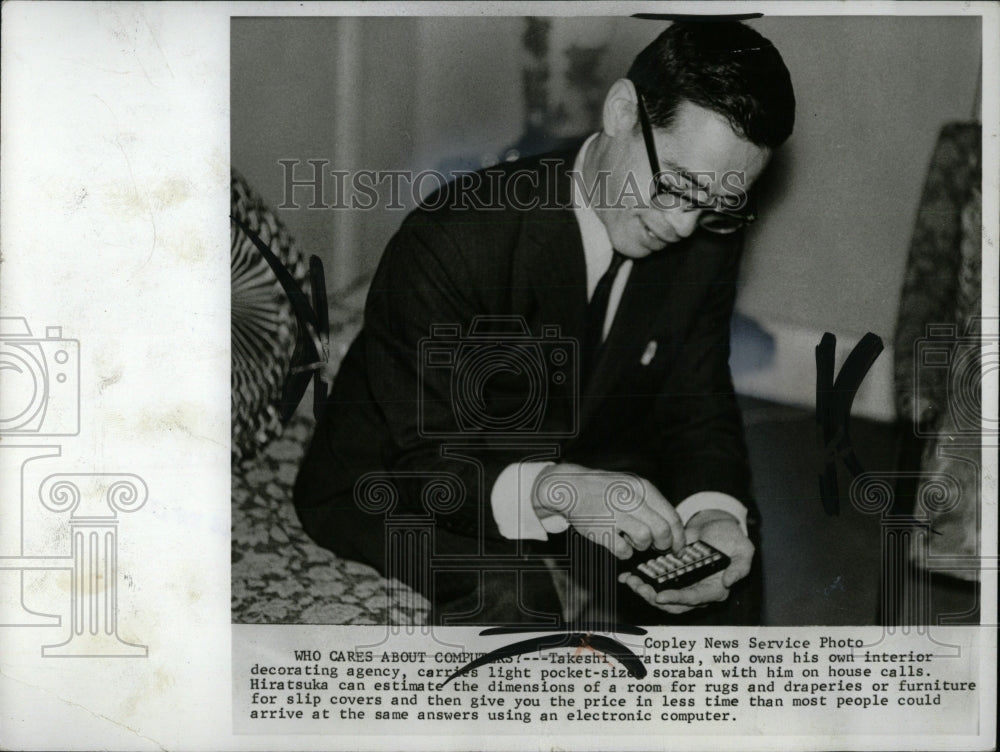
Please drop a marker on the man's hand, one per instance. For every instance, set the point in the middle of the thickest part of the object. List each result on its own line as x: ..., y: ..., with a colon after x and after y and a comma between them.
x: 723, y: 531
x: 621, y: 512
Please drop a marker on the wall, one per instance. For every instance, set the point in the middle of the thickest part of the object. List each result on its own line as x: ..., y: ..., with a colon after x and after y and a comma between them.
x: 365, y: 93
x: 872, y: 95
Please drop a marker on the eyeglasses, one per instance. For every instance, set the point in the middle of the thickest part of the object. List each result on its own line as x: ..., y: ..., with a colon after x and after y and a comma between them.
x: 712, y: 217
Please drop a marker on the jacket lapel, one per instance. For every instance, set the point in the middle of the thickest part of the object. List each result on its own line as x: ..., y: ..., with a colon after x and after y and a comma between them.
x: 554, y: 264
x: 557, y: 272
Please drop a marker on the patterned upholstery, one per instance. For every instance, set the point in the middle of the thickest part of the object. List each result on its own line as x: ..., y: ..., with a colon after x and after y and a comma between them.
x: 278, y: 574
x: 262, y: 321
x: 940, y: 310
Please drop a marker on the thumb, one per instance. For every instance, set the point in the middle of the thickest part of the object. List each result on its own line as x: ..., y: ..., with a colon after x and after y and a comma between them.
x: 738, y: 568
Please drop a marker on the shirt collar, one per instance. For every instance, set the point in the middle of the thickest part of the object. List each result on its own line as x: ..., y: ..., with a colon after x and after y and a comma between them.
x: 597, y: 248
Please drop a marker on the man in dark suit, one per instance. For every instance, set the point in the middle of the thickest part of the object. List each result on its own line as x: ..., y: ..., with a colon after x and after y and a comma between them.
x: 541, y: 392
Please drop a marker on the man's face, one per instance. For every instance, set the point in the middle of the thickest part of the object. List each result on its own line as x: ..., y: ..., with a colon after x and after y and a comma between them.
x: 703, y: 158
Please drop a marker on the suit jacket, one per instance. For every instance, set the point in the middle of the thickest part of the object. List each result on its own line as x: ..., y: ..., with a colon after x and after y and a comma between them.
x: 417, y: 403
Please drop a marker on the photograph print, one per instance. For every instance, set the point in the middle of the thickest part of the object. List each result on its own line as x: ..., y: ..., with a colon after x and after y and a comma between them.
x: 606, y: 320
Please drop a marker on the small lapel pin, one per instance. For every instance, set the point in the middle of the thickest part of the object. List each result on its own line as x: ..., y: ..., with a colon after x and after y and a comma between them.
x: 647, y: 357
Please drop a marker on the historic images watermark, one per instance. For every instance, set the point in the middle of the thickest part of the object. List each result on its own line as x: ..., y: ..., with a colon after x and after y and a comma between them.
x: 308, y: 184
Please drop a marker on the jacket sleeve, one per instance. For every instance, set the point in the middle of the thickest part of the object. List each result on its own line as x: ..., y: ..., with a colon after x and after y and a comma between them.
x: 426, y: 281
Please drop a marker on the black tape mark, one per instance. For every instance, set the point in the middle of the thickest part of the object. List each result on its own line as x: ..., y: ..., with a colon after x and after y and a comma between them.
x: 312, y: 343
x: 582, y: 626
x: 696, y: 17
x: 587, y: 640
x: 834, y: 400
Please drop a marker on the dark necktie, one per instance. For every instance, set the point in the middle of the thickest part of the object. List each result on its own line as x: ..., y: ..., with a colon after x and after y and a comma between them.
x: 597, y: 311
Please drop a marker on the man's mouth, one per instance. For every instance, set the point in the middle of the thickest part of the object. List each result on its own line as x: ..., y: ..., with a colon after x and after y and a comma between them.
x: 654, y: 237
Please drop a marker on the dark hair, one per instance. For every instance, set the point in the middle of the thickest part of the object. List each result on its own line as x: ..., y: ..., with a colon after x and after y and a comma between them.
x: 722, y: 66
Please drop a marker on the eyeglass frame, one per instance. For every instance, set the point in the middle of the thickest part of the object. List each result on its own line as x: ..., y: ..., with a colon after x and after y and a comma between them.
x: 743, y: 218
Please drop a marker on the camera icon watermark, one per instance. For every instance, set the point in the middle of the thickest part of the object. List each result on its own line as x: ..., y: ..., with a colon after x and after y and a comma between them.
x: 949, y: 369
x: 497, y: 380
x: 910, y: 552
x: 40, y: 397
x: 41, y: 381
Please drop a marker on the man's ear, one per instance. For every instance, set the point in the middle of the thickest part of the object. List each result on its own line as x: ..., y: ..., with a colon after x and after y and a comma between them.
x: 620, y: 108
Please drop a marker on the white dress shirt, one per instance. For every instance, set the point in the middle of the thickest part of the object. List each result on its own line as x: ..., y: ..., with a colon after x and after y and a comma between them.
x: 511, y: 495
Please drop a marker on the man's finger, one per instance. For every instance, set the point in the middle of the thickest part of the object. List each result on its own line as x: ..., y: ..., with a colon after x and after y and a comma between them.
x: 605, y: 536
x: 656, y: 505
x: 662, y: 535
x: 647, y: 593
x: 639, y: 587
x: 709, y: 590
x: 637, y: 532
x: 620, y: 547
x: 738, y: 568
x: 741, y: 558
